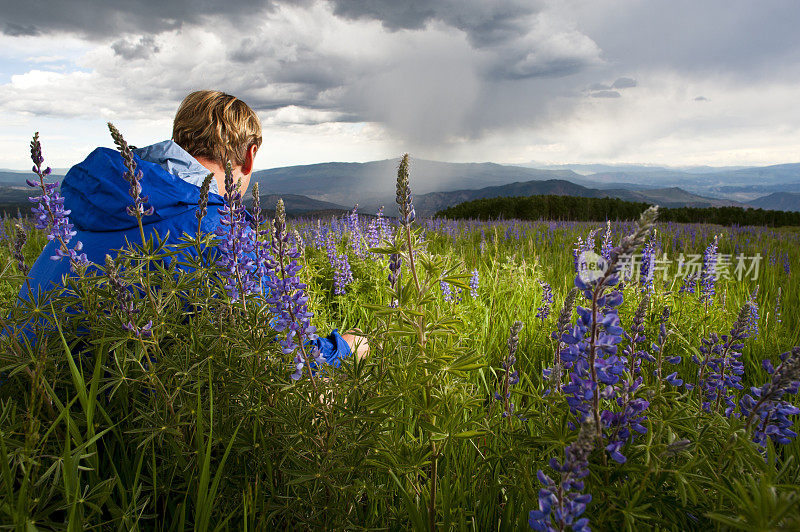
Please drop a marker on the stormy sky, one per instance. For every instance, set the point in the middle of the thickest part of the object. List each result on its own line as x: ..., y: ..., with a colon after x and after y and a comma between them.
x: 510, y: 81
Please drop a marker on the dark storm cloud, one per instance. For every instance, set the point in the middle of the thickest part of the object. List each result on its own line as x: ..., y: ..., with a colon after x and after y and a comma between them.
x: 485, y: 22
x: 103, y: 19
x: 509, y: 29
x: 19, y: 30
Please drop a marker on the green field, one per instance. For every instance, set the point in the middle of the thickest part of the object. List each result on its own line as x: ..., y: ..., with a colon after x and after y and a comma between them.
x: 200, y: 425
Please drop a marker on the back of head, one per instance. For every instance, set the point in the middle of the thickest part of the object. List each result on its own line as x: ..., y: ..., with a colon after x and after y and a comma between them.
x: 216, y: 126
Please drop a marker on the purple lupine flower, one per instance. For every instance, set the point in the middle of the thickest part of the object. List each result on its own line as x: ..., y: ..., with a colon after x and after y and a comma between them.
x: 124, y: 299
x: 553, y: 374
x: 319, y: 238
x: 50, y: 213
x: 629, y: 417
x: 330, y: 249
x: 395, y: 262
x: 658, y: 347
x: 131, y: 175
x: 766, y: 412
x: 636, y: 337
x: 237, y: 246
x: 474, y: 283
x: 356, y: 238
x: 383, y: 225
x: 510, y: 376
x: 608, y: 243
x: 561, y: 505
x: 581, y: 247
x: 447, y: 292
x: 591, y: 345
x: 646, y: 272
x: 689, y: 284
x: 342, y: 274
x: 577, y: 249
x: 394, y: 269
x: 752, y: 318
x: 287, y: 297
x: 720, y: 366
x: 374, y: 234
x: 708, y: 276
x: 543, y: 311
x: 298, y: 242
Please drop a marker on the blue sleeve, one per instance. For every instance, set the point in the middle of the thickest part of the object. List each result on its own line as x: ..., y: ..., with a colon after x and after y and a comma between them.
x: 333, y: 348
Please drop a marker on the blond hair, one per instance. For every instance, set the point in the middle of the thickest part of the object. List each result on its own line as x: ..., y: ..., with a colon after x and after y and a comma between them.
x: 216, y: 126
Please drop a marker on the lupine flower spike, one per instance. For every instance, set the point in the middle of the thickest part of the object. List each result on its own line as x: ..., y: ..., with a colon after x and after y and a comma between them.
x: 720, y: 366
x: 561, y: 505
x: 50, y: 213
x: 125, y: 300
x: 553, y: 375
x: 608, y: 243
x: 708, y: 275
x: 405, y: 207
x: 543, y: 311
x: 404, y: 200
x: 474, y: 283
x: 591, y: 345
x: 132, y: 176
x: 509, y: 377
x: 20, y: 237
x: 288, y: 300
x: 202, y: 204
x: 236, y: 257
x: 342, y: 275
x: 766, y: 413
x: 752, y: 319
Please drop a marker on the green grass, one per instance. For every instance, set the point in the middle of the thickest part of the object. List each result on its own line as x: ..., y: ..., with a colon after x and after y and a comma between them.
x: 200, y: 426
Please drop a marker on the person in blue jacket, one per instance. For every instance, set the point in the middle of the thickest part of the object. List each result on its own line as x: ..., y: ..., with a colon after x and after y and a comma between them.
x: 209, y: 127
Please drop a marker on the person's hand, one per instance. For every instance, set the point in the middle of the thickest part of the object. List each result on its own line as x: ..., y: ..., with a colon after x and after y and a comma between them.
x: 358, y: 344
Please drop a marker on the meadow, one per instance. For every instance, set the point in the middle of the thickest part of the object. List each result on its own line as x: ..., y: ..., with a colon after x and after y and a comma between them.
x: 521, y: 375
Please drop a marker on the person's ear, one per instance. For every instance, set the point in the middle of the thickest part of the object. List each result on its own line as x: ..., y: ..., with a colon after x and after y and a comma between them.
x: 249, y: 159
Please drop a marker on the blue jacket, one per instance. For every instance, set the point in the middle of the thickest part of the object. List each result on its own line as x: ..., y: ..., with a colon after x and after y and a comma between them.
x: 97, y: 196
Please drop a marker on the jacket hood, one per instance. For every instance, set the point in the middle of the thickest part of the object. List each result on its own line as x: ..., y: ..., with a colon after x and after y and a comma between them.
x: 97, y: 194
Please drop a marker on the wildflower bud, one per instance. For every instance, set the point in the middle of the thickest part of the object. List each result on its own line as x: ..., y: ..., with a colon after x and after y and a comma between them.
x: 202, y: 204
x: 131, y: 175
x: 403, y: 197
x: 565, y: 316
x: 513, y: 340
x: 20, y: 237
x: 298, y: 242
x: 676, y: 447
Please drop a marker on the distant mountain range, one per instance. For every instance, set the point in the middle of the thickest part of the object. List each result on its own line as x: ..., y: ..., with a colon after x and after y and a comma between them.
x: 337, y: 186
x: 297, y: 205
x: 428, y: 204
x: 374, y: 182
x: 438, y: 185
x: 778, y: 201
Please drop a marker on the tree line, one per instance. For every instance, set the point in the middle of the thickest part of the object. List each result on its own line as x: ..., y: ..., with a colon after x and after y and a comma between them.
x: 580, y: 209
